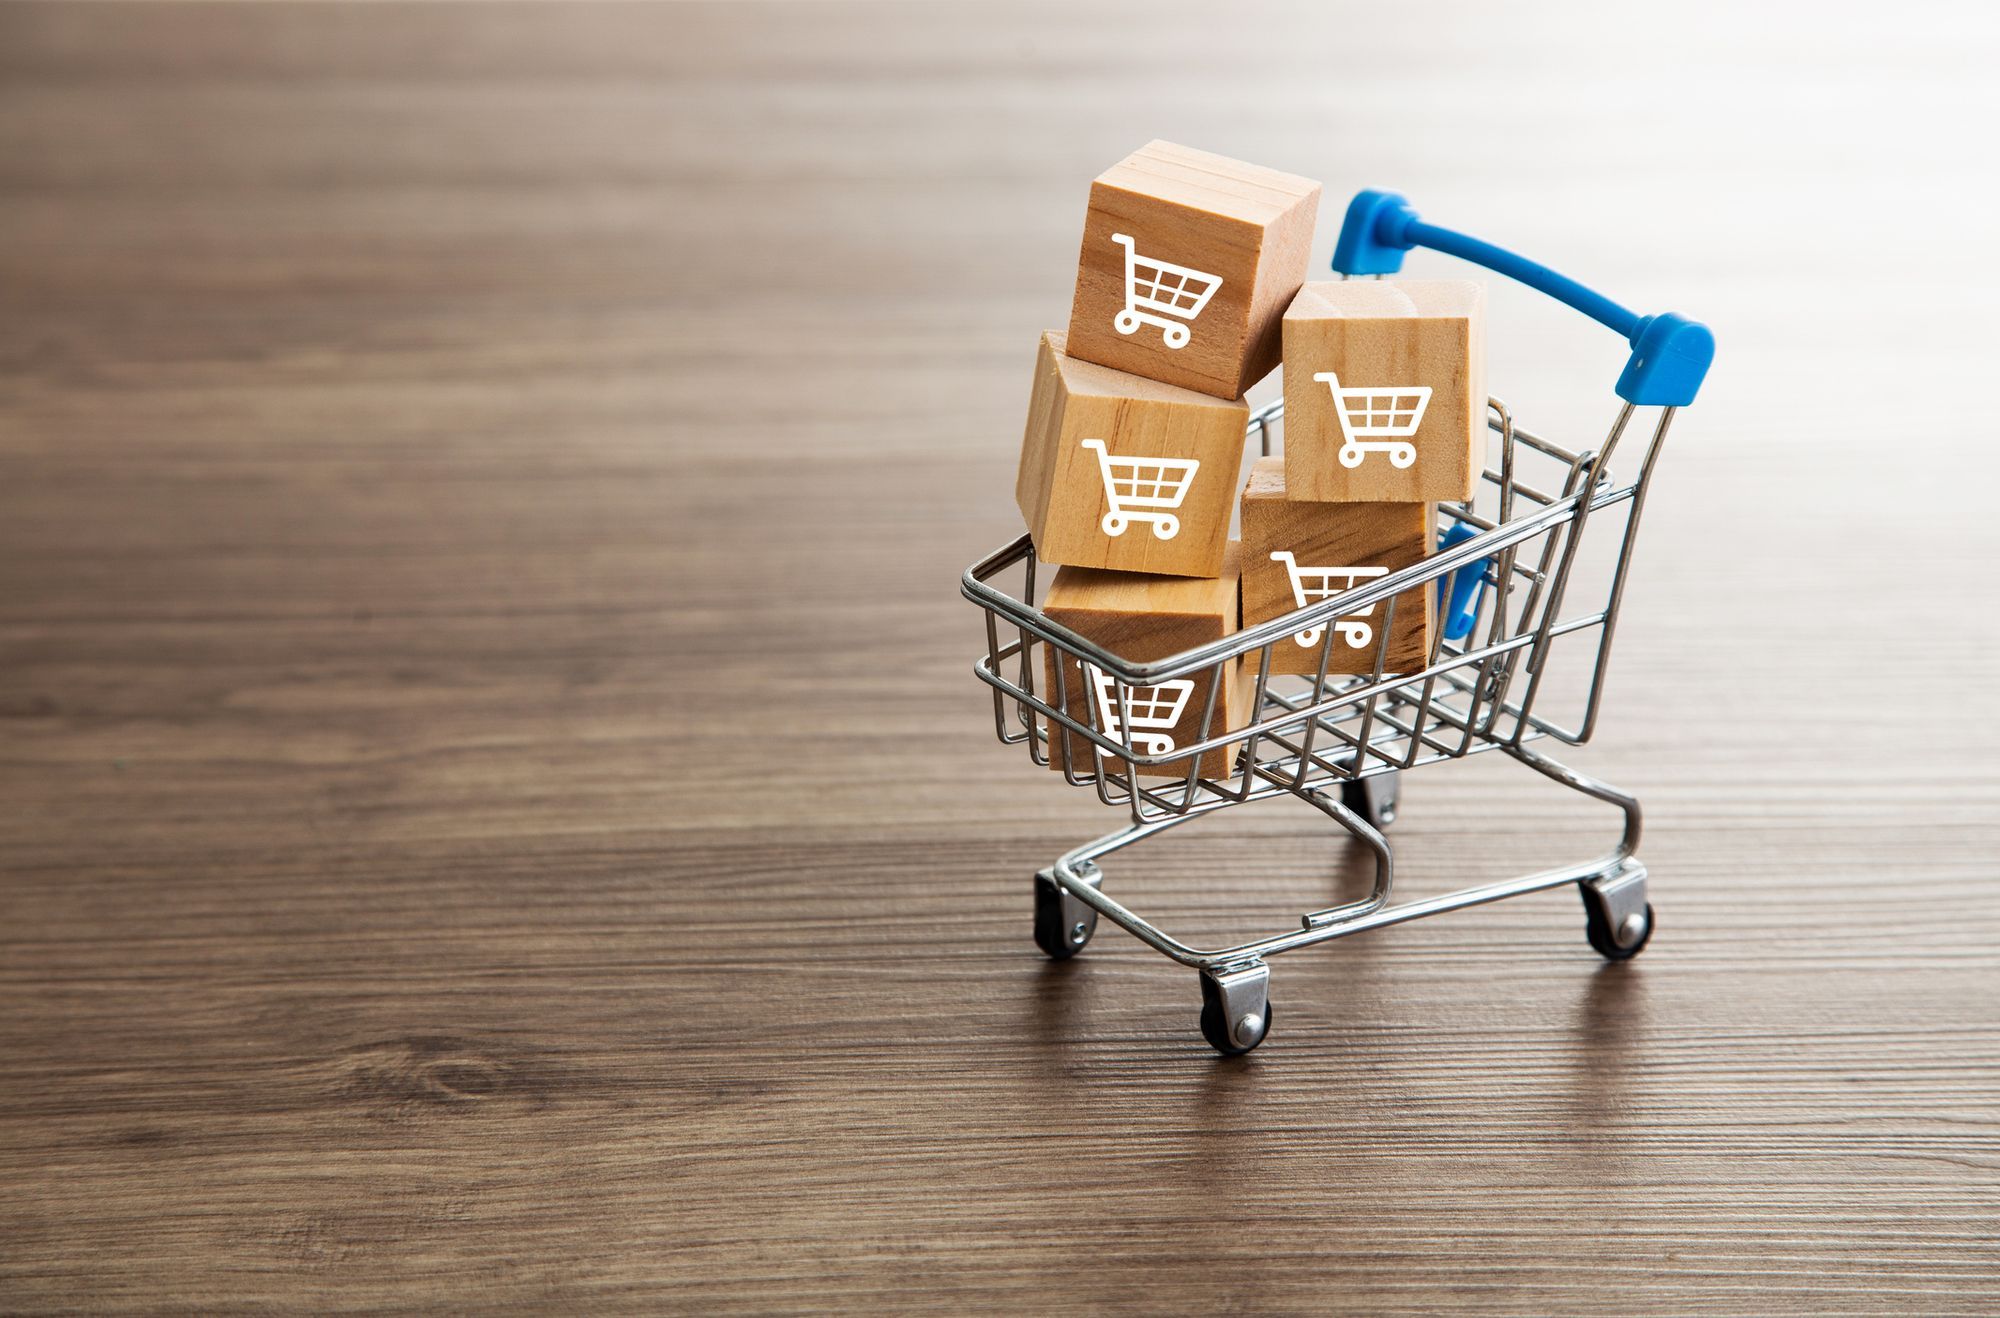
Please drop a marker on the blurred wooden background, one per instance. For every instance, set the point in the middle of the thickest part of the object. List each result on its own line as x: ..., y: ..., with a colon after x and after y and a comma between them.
x: 494, y: 808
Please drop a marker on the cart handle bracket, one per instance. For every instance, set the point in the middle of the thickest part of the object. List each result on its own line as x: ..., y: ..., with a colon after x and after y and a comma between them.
x: 1670, y: 353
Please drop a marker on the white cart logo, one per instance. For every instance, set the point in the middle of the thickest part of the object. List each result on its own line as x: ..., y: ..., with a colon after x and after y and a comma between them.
x: 1143, y: 489
x: 1155, y: 711
x: 1310, y: 584
x: 1375, y: 420
x: 1161, y: 294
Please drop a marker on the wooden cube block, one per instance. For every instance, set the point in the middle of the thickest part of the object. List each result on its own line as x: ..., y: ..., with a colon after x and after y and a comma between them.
x: 1188, y: 262
x: 1296, y: 551
x: 1385, y: 390
x: 1143, y: 618
x: 1122, y: 472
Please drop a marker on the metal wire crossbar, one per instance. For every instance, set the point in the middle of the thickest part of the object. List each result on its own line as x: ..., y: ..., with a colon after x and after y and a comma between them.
x: 1338, y: 742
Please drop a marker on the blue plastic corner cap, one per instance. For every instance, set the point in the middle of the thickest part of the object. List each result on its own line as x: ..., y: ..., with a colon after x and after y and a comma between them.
x: 1670, y: 354
x: 1670, y: 357
x: 1459, y: 607
x: 1373, y: 234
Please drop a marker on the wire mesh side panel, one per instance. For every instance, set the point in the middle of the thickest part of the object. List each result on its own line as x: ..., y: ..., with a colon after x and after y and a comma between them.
x: 1555, y: 597
x: 1489, y: 690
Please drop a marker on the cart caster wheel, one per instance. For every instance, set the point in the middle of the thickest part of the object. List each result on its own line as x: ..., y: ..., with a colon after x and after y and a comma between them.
x: 1062, y: 923
x: 1231, y: 1039
x: 1597, y: 928
x: 1374, y: 799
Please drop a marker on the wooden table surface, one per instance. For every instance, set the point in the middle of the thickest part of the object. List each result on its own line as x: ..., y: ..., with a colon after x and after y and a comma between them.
x: 494, y: 806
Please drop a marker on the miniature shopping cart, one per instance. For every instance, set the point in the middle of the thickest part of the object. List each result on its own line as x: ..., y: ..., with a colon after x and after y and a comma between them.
x: 1161, y: 294
x: 1319, y: 583
x: 1151, y: 712
x: 1518, y: 598
x: 1377, y: 420
x: 1143, y: 490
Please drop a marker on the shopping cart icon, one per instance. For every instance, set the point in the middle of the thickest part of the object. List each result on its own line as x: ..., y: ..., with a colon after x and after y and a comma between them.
x: 1310, y: 584
x: 1345, y: 743
x: 1376, y: 419
x: 1155, y: 711
x: 1143, y: 490
x: 1161, y: 293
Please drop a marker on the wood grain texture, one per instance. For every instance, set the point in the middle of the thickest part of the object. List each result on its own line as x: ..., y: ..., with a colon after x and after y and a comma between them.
x: 1143, y: 618
x: 1249, y: 226
x: 495, y: 811
x: 1082, y: 416
x: 1386, y: 334
x: 1370, y: 538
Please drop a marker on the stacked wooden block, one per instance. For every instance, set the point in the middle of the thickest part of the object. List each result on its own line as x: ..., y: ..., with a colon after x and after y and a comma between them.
x: 1190, y: 289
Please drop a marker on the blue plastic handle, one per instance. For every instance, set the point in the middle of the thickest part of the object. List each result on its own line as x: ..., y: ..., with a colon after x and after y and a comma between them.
x: 1459, y: 608
x: 1670, y: 354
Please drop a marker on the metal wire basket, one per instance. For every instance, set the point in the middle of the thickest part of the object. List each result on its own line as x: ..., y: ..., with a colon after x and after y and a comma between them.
x: 1508, y: 570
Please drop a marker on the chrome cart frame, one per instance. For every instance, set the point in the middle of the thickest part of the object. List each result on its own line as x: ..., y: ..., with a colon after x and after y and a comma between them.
x: 1506, y: 571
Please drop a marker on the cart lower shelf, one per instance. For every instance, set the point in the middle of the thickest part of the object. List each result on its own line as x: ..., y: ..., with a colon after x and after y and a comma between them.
x: 1235, y: 981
